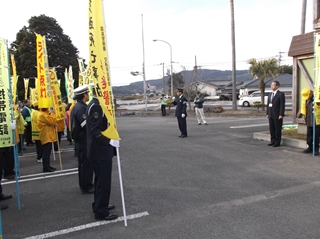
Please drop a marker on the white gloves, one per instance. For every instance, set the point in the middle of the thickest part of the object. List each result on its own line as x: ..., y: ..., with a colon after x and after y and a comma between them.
x: 115, y: 143
x: 173, y: 98
x: 13, y: 124
x: 183, y: 115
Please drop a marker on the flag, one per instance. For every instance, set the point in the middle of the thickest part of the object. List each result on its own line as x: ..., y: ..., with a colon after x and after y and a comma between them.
x: 26, y: 84
x: 100, y: 65
x: 6, y: 139
x: 14, y: 80
x: 317, y: 68
x: 69, y: 84
x: 82, y: 72
x: 43, y: 82
x: 56, y: 95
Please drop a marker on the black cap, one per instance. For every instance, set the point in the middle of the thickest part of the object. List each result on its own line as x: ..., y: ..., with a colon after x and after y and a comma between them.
x: 179, y: 90
x: 198, y: 92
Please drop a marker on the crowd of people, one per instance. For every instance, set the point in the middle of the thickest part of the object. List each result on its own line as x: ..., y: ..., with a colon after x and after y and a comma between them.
x: 84, y: 124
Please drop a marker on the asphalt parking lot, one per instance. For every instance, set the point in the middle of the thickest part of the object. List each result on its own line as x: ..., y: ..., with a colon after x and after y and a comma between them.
x: 216, y: 183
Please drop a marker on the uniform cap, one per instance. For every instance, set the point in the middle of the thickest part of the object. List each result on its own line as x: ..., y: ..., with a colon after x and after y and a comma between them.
x: 180, y: 90
x: 198, y: 92
x: 80, y: 90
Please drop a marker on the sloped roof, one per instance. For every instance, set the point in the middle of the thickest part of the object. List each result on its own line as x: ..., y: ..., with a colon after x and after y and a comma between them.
x: 302, y: 44
x: 284, y: 80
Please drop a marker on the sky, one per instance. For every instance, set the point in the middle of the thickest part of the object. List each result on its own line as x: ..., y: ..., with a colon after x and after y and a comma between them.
x: 199, y: 31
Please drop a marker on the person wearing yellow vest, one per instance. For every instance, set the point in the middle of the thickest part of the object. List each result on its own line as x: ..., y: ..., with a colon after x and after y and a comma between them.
x: 47, y: 132
x: 35, y: 131
x: 20, y: 128
x: 60, y: 130
x: 306, y: 110
x: 26, y: 113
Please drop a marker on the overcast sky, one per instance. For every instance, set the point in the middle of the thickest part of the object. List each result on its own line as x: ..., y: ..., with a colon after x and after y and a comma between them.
x: 198, y: 28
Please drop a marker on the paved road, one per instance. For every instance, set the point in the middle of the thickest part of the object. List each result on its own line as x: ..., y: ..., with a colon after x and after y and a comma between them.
x: 227, y: 105
x: 217, y: 183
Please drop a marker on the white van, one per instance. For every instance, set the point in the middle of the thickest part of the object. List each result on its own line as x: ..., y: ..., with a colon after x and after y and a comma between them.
x: 254, y: 97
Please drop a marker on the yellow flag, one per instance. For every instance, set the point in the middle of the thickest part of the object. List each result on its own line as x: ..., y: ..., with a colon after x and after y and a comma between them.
x: 5, y: 119
x: 26, y: 85
x: 69, y: 84
x: 56, y: 95
x: 14, y: 80
x: 317, y: 75
x: 100, y: 65
x: 43, y: 82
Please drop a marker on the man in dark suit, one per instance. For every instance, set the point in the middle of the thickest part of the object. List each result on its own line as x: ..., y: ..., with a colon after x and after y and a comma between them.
x: 181, y: 112
x: 275, y: 113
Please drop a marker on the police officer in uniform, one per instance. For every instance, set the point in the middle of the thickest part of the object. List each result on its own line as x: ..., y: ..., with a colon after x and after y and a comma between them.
x: 100, y: 152
x: 79, y: 135
x: 181, y: 112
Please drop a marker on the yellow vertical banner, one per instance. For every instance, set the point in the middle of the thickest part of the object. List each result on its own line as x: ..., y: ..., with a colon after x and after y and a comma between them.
x: 82, y: 72
x: 14, y: 80
x: 5, y: 116
x: 100, y: 65
x: 26, y: 85
x: 70, y: 84
x: 43, y: 82
x: 317, y: 69
x: 56, y: 95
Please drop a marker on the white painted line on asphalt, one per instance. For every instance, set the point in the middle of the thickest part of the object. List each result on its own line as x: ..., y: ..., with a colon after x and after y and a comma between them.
x: 247, y: 126
x: 41, y: 176
x: 86, y: 226
x: 254, y: 125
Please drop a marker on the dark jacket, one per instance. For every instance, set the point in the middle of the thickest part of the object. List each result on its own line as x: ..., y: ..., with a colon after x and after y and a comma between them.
x: 181, y: 106
x: 277, y: 106
x: 78, y: 121
x: 199, y: 102
x: 98, y: 147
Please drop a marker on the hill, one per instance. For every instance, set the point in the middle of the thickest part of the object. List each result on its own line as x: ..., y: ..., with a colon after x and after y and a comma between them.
x: 205, y: 75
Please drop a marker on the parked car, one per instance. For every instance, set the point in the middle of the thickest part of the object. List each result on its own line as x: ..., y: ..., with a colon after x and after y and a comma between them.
x: 254, y: 97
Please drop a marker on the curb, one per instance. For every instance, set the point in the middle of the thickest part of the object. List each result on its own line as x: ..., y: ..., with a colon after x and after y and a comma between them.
x: 296, y: 143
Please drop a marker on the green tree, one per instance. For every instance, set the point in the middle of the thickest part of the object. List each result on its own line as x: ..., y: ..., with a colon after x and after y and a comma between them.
x: 178, y: 81
x: 263, y: 69
x: 285, y: 69
x: 61, y: 51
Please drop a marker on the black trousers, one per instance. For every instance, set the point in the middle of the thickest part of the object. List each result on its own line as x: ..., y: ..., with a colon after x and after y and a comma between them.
x: 85, y: 167
x: 182, y: 122
x: 163, y: 110
x: 46, y: 155
x: 39, y: 149
x: 102, y: 185
x: 275, y: 127
x: 310, y: 138
x: 59, y: 140
x: 28, y: 133
x: 8, y: 166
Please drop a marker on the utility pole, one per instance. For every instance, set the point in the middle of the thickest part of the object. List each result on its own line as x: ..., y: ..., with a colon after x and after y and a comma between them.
x: 196, y: 72
x: 303, y: 16
x: 280, y: 55
x: 164, y: 83
x: 233, y: 43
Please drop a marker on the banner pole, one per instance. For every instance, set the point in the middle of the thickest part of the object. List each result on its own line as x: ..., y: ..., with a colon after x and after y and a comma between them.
x: 59, y: 151
x: 121, y: 189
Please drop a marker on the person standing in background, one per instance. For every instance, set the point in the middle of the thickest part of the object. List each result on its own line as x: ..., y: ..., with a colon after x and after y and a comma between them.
x: 181, y: 112
x: 35, y: 131
x: 275, y: 113
x: 79, y: 135
x: 199, y: 108
x: 163, y: 105
x: 26, y: 113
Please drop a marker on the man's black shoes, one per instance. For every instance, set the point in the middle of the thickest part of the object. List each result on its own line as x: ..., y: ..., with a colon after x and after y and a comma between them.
x: 90, y: 191
x: 183, y: 136
x: 3, y: 206
x: 5, y: 197
x: 271, y: 144
x: 111, y: 206
x: 107, y: 218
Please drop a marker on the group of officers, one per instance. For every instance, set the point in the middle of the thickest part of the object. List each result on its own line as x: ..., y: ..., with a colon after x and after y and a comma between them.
x: 93, y: 149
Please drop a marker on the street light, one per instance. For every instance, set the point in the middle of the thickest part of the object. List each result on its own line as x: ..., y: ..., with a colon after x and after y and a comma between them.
x: 136, y: 73
x: 170, y: 63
